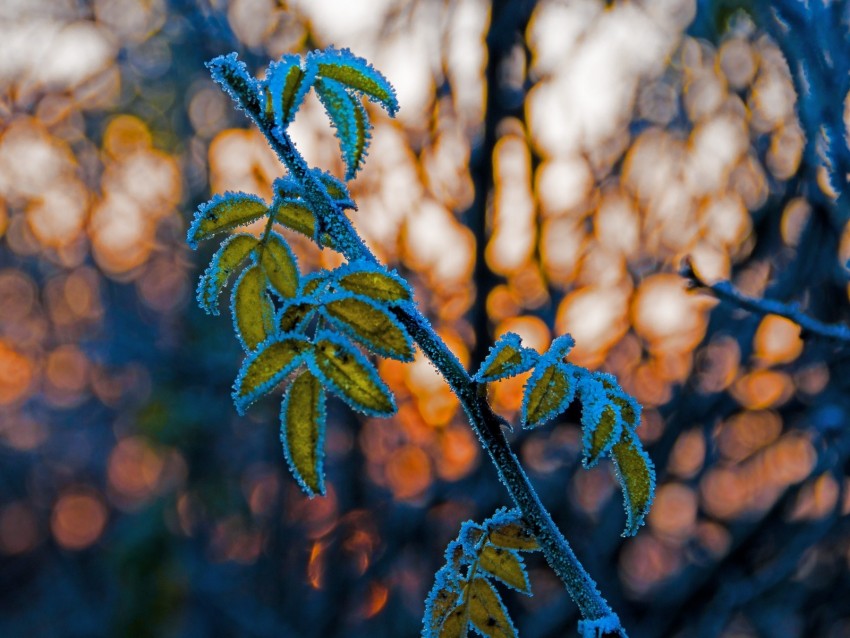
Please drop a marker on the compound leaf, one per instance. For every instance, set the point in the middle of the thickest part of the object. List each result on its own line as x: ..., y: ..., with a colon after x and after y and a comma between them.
x: 225, y: 261
x: 357, y: 74
x: 350, y: 120
x: 506, y: 565
x: 548, y: 392
x: 302, y: 428
x: 370, y: 324
x: 487, y: 612
x: 636, y: 474
x: 373, y: 281
x: 253, y: 311
x: 222, y: 213
x: 350, y: 375
x: 267, y: 366
x: 507, y: 358
x: 279, y: 265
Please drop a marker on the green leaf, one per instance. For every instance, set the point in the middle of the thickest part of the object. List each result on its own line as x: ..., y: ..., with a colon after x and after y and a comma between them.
x: 226, y: 260
x: 252, y: 309
x: 357, y: 74
x: 302, y: 427
x: 548, y: 392
x: 350, y: 120
x: 601, y: 435
x: 267, y: 366
x: 294, y: 214
x: 350, y: 375
x: 506, y: 565
x: 507, y: 358
x: 279, y: 265
x: 287, y: 85
x: 636, y: 474
x: 370, y: 324
x: 372, y: 281
x: 487, y: 612
x: 512, y: 535
x: 224, y: 212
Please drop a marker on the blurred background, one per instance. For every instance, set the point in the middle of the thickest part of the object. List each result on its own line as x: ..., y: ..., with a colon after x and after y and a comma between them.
x: 552, y: 164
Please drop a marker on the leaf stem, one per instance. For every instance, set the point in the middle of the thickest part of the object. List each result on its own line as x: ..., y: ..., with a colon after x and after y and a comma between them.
x: 485, y: 423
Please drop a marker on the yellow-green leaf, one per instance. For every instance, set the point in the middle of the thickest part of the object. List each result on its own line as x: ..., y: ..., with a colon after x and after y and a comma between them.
x: 351, y: 376
x: 226, y: 260
x: 442, y: 603
x: 599, y: 438
x: 224, y: 212
x: 371, y: 325
x: 505, y: 565
x: 294, y: 314
x: 376, y: 284
x: 263, y: 369
x: 548, y: 392
x: 253, y: 312
x: 506, y: 358
x: 513, y: 535
x: 302, y: 425
x: 456, y: 623
x: 279, y: 265
x: 294, y: 215
x: 636, y: 474
x: 487, y: 612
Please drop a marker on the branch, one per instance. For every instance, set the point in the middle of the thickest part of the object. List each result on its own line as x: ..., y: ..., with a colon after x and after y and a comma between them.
x: 485, y: 423
x: 725, y: 291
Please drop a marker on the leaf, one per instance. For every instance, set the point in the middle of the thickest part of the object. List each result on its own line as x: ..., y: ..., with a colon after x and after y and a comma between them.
x: 294, y: 214
x: 370, y: 324
x: 548, y: 392
x: 512, y: 535
x: 294, y: 314
x: 441, y: 600
x: 456, y: 623
x: 253, y: 311
x: 314, y: 282
x: 337, y: 190
x: 279, y: 265
x: 302, y: 428
x: 356, y: 73
x: 601, y: 432
x: 287, y: 84
x: 350, y: 120
x: 350, y: 375
x: 507, y: 358
x: 267, y: 366
x: 222, y: 213
x: 636, y: 474
x: 630, y: 409
x: 506, y: 565
x: 373, y: 281
x: 487, y: 612
x: 225, y: 261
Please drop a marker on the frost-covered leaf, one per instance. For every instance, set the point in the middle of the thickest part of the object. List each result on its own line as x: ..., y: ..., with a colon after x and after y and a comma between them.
x: 548, y: 392
x: 507, y: 358
x: 507, y: 530
x: 313, y: 283
x: 357, y: 74
x: 350, y: 121
x: 487, y: 612
x: 506, y: 565
x: 302, y: 430
x: 287, y: 187
x: 223, y: 213
x: 598, y: 627
x: 456, y: 624
x: 267, y: 366
x: 373, y: 281
x: 232, y: 252
x: 279, y: 265
x: 441, y: 600
x: 287, y: 85
x: 350, y: 375
x: 337, y: 189
x: 295, y: 215
x: 294, y: 314
x: 370, y: 324
x: 252, y: 309
x: 630, y: 409
x: 636, y: 474
x: 601, y: 432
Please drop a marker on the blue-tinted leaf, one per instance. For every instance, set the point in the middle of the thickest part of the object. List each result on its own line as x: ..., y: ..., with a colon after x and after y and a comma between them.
x: 599, y: 627
x: 232, y: 252
x: 287, y: 187
x: 350, y: 375
x: 252, y: 309
x: 295, y: 214
x: 337, y: 189
x: 314, y: 283
x: 223, y: 213
x: 506, y: 565
x: 601, y: 431
x: 279, y: 265
x: 350, y: 121
x: 636, y: 474
x: 288, y: 83
x: 267, y: 366
x: 295, y: 315
x: 630, y: 409
x: 302, y: 431
x: 507, y: 358
x: 369, y: 323
x: 548, y: 392
x: 355, y: 73
x: 373, y: 281
x: 561, y: 347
